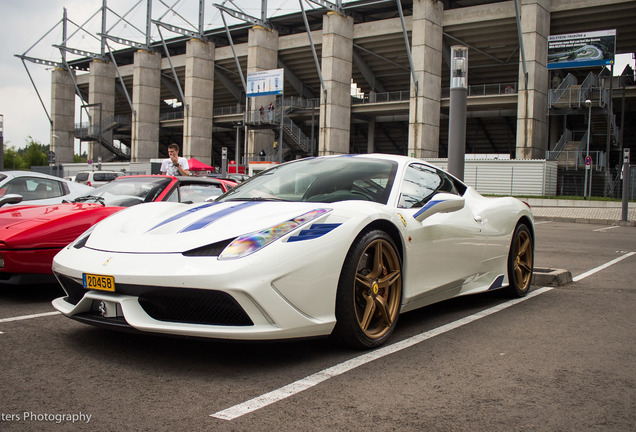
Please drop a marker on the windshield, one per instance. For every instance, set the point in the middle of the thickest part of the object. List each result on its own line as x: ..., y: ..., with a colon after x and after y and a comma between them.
x: 324, y: 179
x: 127, y: 191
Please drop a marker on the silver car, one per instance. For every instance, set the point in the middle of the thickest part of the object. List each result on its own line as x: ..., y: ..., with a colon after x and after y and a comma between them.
x: 35, y: 188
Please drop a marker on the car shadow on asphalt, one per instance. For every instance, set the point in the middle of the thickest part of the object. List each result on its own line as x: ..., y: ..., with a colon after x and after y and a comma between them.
x: 161, y: 352
x: 30, y: 294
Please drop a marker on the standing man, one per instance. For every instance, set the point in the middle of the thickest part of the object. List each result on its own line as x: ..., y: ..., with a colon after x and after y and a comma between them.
x: 175, y: 165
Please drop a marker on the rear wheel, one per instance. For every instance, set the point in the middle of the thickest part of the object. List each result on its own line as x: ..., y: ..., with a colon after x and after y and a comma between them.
x: 520, y: 262
x: 369, y: 292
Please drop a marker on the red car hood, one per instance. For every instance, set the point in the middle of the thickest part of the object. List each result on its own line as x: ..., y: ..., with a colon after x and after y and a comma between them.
x: 53, y: 226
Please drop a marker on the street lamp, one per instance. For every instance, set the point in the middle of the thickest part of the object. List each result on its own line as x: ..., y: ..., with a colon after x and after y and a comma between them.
x: 588, y: 104
x: 457, y: 111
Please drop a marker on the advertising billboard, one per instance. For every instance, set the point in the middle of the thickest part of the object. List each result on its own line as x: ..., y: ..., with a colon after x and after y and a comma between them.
x: 263, y: 83
x: 581, y: 49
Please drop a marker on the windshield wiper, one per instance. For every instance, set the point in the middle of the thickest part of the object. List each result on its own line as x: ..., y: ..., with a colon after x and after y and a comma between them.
x: 90, y: 198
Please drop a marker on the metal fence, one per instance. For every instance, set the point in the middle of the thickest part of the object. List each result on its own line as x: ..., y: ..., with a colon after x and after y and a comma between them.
x: 607, y: 184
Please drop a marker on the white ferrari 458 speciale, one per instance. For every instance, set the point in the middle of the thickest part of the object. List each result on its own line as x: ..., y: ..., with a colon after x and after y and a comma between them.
x: 336, y: 245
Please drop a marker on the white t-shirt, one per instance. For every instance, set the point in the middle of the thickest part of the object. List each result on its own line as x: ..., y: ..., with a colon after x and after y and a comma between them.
x: 168, y: 167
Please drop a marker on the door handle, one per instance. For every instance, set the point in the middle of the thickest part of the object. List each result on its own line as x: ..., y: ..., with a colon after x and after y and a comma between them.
x: 478, y: 219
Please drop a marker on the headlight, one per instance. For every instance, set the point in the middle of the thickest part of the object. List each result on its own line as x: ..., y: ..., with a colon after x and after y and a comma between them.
x: 249, y: 243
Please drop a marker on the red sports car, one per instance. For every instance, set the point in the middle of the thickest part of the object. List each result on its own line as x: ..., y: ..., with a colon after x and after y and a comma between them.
x: 30, y: 236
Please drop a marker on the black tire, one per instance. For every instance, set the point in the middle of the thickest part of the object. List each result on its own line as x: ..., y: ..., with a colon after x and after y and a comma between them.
x: 520, y: 262
x: 369, y: 292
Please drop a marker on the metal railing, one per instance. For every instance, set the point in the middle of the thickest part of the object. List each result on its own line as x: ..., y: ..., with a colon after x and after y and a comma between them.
x: 492, y: 89
x: 297, y: 135
x: 591, y: 80
x: 565, y: 138
x: 554, y: 96
x: 383, y: 97
x: 487, y: 89
x: 396, y: 96
x: 575, y: 159
x: 233, y: 109
x: 171, y: 115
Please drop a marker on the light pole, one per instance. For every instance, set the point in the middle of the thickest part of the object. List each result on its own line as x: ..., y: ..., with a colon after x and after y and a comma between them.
x: 588, y: 104
x: 457, y: 111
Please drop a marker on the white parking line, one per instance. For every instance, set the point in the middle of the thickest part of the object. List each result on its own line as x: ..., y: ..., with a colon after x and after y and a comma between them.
x: 606, y: 228
x: 25, y: 317
x: 602, y: 267
x: 314, y: 379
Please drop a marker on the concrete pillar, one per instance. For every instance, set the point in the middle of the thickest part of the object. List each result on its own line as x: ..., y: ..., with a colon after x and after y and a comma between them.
x: 532, y: 129
x: 199, y: 98
x: 336, y: 66
x: 101, y: 80
x: 62, y: 115
x: 146, y: 100
x: 262, y: 54
x: 426, y: 51
x: 371, y: 136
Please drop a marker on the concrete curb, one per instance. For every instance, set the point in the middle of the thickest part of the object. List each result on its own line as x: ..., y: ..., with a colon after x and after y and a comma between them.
x: 552, y: 277
x: 628, y: 223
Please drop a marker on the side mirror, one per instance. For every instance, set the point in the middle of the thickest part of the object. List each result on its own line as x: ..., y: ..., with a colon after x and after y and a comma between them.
x: 10, y: 199
x: 440, y: 203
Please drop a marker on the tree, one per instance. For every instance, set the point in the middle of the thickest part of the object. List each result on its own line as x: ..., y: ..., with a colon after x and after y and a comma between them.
x: 80, y: 158
x: 34, y: 154
x: 12, y: 159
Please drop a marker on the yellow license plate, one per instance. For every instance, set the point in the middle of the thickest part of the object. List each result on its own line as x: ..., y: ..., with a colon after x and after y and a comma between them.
x: 98, y: 282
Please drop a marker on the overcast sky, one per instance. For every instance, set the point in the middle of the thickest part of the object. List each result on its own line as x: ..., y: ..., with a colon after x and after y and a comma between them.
x: 24, y: 22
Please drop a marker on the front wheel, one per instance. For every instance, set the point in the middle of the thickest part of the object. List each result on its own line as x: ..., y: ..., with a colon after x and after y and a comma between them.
x: 369, y: 292
x: 520, y: 262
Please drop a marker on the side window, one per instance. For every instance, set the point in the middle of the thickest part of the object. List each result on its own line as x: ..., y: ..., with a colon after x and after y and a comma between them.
x: 173, y: 196
x: 421, y: 183
x: 32, y: 188
x: 448, y: 185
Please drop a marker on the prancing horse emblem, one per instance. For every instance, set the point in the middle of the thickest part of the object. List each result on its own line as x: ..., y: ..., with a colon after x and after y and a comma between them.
x: 102, y: 309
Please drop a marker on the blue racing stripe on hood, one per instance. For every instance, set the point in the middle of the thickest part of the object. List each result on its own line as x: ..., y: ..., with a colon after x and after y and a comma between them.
x: 182, y: 214
x: 202, y: 223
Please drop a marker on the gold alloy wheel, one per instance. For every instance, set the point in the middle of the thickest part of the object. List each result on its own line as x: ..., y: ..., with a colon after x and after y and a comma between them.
x: 523, y: 256
x: 378, y: 289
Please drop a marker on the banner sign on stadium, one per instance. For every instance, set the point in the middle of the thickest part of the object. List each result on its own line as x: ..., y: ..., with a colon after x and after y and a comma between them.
x: 581, y: 49
x: 263, y: 83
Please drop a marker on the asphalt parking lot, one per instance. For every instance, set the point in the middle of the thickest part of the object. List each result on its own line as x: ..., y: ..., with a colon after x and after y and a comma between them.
x: 563, y: 359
